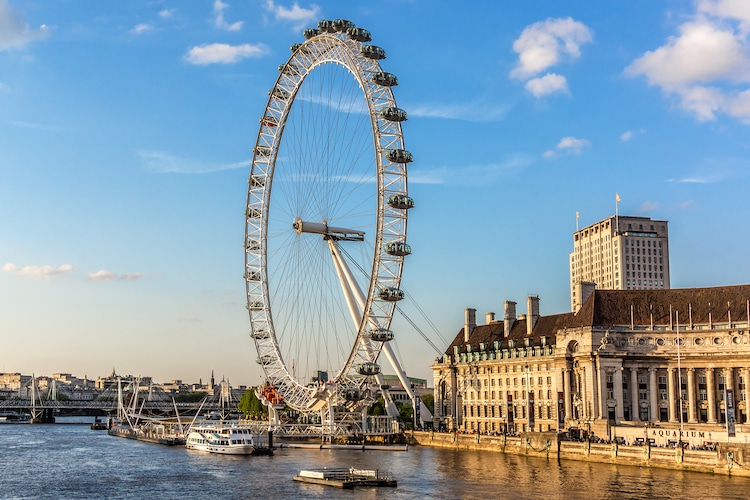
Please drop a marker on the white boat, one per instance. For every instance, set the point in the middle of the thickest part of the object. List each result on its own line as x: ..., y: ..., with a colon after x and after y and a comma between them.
x: 227, y: 439
x: 14, y: 417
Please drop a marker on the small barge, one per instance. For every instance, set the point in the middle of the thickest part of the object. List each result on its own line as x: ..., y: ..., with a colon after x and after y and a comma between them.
x: 346, y: 478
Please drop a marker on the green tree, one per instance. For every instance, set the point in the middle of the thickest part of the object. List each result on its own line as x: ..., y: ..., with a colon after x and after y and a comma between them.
x: 250, y: 405
x: 377, y: 408
x: 429, y: 402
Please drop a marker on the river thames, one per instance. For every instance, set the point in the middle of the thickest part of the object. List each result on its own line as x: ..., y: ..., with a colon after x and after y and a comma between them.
x: 73, y: 461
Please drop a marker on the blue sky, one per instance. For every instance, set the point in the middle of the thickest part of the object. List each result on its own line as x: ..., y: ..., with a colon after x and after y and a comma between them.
x: 126, y: 131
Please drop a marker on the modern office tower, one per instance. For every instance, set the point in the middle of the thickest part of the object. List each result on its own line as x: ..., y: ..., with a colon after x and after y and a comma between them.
x: 619, y: 253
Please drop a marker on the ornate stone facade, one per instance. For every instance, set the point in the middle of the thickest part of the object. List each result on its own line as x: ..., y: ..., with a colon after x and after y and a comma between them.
x: 626, y: 358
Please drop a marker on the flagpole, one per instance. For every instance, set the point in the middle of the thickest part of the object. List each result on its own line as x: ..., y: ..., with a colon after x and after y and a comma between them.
x: 617, y: 211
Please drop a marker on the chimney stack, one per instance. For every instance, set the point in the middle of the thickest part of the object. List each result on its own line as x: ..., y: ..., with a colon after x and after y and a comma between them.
x: 470, y: 323
x: 489, y: 317
x: 532, y: 302
x: 509, y: 317
x: 585, y: 289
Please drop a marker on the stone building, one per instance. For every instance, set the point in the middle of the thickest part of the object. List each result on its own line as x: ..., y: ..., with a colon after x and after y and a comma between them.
x: 626, y: 359
x: 620, y: 253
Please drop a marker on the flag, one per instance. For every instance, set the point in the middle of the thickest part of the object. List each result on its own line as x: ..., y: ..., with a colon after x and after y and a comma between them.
x: 578, y: 214
x: 617, y: 197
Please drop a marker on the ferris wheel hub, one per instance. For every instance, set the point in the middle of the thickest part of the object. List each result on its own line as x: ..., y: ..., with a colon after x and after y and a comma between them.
x: 328, y: 232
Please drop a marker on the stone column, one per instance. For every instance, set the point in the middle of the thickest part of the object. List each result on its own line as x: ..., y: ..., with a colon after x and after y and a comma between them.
x: 603, y: 408
x: 746, y: 379
x: 566, y: 393
x: 729, y: 385
x: 584, y: 394
x: 619, y: 409
x: 653, y: 393
x: 711, y: 391
x: 672, y: 400
x: 692, y: 410
x: 636, y: 416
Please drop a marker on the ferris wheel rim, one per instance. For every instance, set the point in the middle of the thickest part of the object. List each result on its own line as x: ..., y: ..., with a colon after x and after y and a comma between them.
x: 391, y: 221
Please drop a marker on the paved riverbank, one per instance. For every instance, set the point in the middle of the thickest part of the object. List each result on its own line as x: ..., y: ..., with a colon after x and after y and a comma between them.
x: 729, y: 459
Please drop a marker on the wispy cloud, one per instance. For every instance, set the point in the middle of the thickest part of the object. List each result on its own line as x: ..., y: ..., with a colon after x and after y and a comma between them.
x: 104, y: 275
x: 45, y: 271
x: 705, y: 67
x: 297, y: 16
x: 476, y: 175
x: 4, y: 87
x: 568, y: 145
x: 648, y: 206
x: 629, y: 134
x: 158, y: 161
x: 167, y: 13
x: 14, y: 31
x: 142, y: 28
x: 222, y: 53
x: 545, y: 44
x: 477, y: 112
x: 219, y: 20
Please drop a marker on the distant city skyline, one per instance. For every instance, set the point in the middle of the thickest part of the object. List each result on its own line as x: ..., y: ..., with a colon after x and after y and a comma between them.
x: 126, y: 132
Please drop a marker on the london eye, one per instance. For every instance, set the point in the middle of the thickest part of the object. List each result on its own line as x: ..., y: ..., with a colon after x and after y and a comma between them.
x: 326, y: 220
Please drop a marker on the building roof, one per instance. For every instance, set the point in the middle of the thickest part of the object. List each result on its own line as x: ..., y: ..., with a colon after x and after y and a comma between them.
x: 606, y: 308
x: 613, y: 307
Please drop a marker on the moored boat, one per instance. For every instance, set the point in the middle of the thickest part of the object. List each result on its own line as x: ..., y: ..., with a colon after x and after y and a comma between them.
x: 228, y: 439
x: 14, y: 417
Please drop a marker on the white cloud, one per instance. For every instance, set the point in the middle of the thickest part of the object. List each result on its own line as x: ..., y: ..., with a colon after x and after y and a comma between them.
x: 141, y: 28
x: 471, y: 175
x: 219, y: 20
x: 14, y: 32
x: 547, y: 84
x: 705, y: 68
x: 37, y: 271
x: 648, y: 206
x: 4, y: 87
x: 477, y: 112
x: 298, y: 16
x: 160, y: 162
x: 546, y: 43
x: 626, y: 136
x: 567, y: 145
x: 104, y: 275
x: 166, y: 13
x: 223, y: 53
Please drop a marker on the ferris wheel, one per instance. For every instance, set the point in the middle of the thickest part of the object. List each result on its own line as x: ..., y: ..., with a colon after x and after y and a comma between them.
x: 326, y: 219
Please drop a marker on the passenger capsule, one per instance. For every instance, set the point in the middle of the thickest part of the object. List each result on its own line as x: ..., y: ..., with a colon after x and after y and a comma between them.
x: 279, y: 93
x: 265, y: 360
x: 252, y: 213
x: 380, y: 335
x: 400, y: 201
x: 256, y: 305
x: 397, y: 248
x: 252, y: 276
x: 257, y: 181
x: 310, y: 33
x: 342, y: 25
x: 359, y: 34
x: 260, y: 334
x: 368, y: 369
x: 385, y: 79
x: 326, y: 26
x: 372, y: 52
x: 263, y: 151
x: 393, y: 114
x: 399, y: 156
x: 269, y: 121
x: 391, y: 294
x: 353, y: 395
x: 251, y: 244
